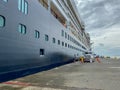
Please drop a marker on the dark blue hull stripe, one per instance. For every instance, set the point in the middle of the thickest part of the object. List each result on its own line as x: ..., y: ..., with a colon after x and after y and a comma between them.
x: 21, y: 73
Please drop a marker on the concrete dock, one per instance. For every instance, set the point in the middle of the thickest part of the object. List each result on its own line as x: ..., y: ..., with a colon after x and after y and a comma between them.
x: 74, y: 76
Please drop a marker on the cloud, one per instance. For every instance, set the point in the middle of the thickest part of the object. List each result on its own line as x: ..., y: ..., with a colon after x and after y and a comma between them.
x: 108, y: 42
x: 99, y: 13
x: 102, y: 21
x: 109, y: 38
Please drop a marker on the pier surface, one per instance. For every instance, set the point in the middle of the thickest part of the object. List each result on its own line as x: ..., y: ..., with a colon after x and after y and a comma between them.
x: 74, y: 76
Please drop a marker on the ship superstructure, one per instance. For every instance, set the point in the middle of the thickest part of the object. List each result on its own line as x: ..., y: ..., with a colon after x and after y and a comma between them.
x: 39, y: 34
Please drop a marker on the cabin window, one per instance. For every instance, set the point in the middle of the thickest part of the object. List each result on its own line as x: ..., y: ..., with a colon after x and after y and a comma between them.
x: 68, y: 46
x: 42, y: 52
x: 20, y: 5
x: 53, y: 40
x: 22, y: 29
x: 37, y: 34
x: 2, y: 21
x: 65, y: 35
x: 58, y: 42
x: 68, y: 37
x: 62, y: 43
x: 5, y: 0
x: 65, y: 44
x: 62, y: 33
x: 23, y: 6
x: 46, y: 38
x: 26, y: 8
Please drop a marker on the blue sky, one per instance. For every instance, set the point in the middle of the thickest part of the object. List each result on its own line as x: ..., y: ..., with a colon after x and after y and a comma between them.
x: 102, y: 21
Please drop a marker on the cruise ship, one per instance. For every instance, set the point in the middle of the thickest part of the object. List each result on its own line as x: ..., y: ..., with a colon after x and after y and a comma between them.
x: 36, y: 35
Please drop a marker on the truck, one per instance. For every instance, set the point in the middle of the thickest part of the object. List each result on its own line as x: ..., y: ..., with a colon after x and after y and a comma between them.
x: 89, y: 57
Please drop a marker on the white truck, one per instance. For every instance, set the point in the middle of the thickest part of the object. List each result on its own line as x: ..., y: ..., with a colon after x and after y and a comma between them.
x: 88, y: 57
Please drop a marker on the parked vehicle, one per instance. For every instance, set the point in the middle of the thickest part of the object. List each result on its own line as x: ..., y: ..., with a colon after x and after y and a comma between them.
x: 88, y: 57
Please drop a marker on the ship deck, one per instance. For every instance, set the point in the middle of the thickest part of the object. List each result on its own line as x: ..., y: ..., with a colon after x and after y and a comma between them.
x: 74, y: 76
